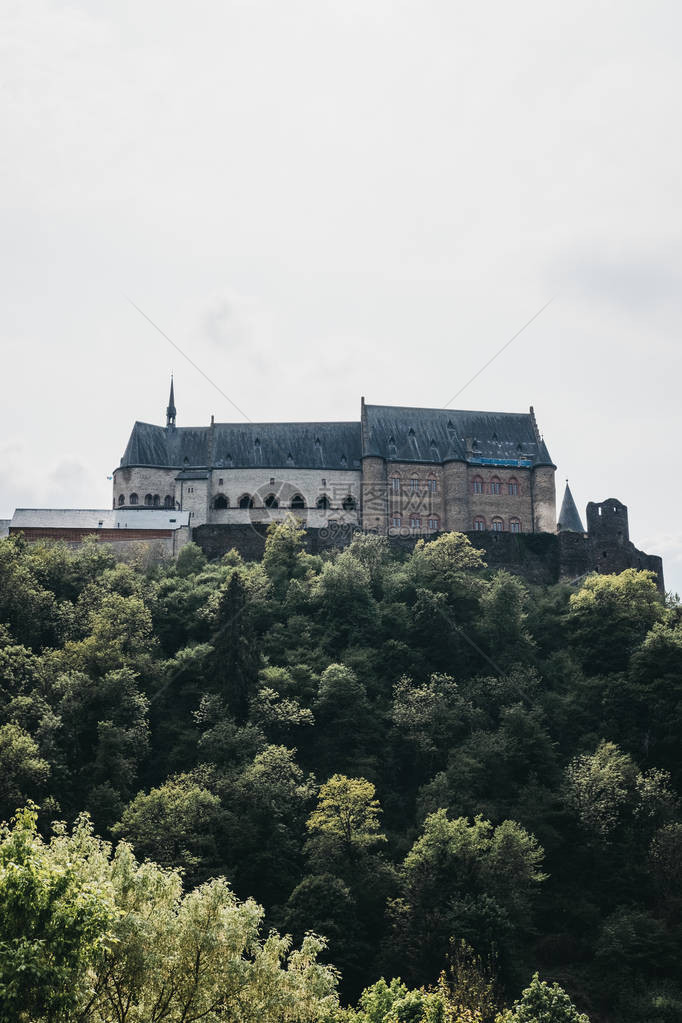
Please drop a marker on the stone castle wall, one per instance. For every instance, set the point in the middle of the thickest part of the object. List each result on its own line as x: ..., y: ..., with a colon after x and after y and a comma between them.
x: 539, y: 558
x: 198, y: 496
x: 143, y: 480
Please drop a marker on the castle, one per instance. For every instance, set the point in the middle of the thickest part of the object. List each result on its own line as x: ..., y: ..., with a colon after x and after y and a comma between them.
x: 400, y: 472
x: 403, y: 473
x: 395, y: 471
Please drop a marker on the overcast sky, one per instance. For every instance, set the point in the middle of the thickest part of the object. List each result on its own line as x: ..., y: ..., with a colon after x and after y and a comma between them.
x: 317, y: 200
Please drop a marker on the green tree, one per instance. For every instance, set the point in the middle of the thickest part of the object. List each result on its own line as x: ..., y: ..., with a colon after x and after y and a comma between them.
x: 104, y: 734
x: 504, y: 617
x: 55, y: 922
x: 30, y: 610
x: 610, y: 615
x: 235, y: 661
x: 95, y: 938
x: 267, y: 805
x: 284, y: 558
x: 467, y: 880
x: 344, y: 718
x: 449, y: 564
x: 347, y: 817
x: 176, y: 825
x: 605, y: 789
x: 23, y: 772
x: 543, y: 1003
x: 342, y: 595
x: 120, y: 636
x: 190, y: 561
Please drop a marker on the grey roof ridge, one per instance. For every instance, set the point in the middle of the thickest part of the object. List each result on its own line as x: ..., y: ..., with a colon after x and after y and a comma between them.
x: 272, y: 422
x: 451, y: 411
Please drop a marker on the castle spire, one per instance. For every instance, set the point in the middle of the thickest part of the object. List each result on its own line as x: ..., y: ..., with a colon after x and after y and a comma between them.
x: 569, y: 517
x: 170, y: 411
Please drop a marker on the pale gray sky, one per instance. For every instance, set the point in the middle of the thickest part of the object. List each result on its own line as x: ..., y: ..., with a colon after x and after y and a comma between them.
x: 319, y: 200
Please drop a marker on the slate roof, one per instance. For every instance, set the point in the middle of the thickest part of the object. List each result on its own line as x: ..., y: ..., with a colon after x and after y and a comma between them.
x: 246, y: 446
x: 437, y: 435
x: 569, y: 516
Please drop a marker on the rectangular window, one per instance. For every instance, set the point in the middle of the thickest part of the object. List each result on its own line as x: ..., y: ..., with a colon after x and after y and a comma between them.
x: 414, y: 484
x: 220, y: 482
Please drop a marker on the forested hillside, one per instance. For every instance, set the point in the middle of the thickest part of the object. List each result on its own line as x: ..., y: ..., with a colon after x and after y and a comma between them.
x: 454, y: 779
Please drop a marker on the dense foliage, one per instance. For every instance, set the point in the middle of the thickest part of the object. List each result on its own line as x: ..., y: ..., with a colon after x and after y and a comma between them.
x: 455, y: 779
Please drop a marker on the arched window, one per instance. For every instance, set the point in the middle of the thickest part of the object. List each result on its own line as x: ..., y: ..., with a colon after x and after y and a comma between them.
x: 134, y: 499
x: 434, y: 522
x: 245, y: 501
x: 297, y: 501
x: 495, y: 485
x: 395, y: 484
x: 168, y: 501
x: 479, y: 523
x: 477, y: 486
x: 396, y: 521
x: 157, y: 501
x: 498, y: 525
x: 432, y: 485
x: 513, y: 487
x: 220, y: 502
x: 271, y: 501
x: 348, y: 503
x: 514, y: 525
x: 121, y: 499
x: 416, y: 522
x: 148, y: 500
x: 323, y: 502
